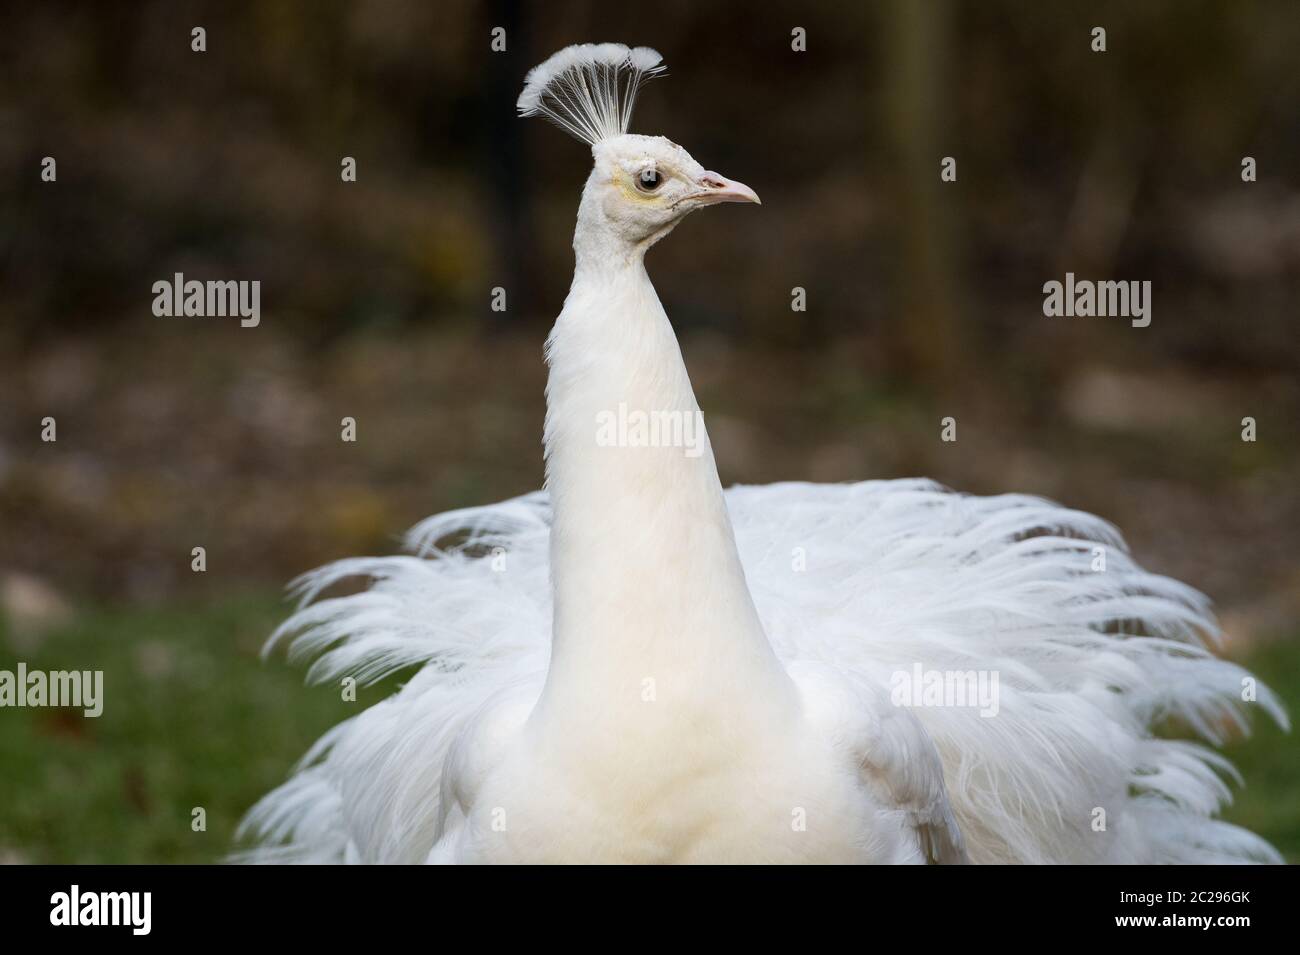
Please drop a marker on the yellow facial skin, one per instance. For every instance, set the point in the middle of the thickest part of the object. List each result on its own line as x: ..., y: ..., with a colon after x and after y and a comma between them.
x: 642, y: 216
x: 626, y: 183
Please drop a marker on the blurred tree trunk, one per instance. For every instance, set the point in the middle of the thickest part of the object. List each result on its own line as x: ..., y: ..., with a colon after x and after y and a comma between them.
x: 507, y: 172
x: 918, y: 48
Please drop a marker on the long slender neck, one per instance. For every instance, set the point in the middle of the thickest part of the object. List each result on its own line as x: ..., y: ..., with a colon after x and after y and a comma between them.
x: 650, y: 595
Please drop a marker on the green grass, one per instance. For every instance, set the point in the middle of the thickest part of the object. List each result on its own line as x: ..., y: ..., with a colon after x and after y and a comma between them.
x: 192, y: 717
x: 1270, y: 760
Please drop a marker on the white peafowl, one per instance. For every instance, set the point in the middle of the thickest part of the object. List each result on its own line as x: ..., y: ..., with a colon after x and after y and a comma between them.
x: 630, y: 667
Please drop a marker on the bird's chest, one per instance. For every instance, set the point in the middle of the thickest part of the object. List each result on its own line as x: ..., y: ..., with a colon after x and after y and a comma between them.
x: 728, y: 803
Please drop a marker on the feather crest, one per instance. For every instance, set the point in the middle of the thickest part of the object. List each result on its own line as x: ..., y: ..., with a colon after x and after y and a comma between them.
x: 588, y: 89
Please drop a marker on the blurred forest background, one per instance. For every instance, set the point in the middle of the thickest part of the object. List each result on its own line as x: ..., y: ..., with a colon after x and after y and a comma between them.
x: 924, y: 300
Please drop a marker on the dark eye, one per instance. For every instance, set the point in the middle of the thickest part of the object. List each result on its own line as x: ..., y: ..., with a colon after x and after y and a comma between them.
x: 650, y: 180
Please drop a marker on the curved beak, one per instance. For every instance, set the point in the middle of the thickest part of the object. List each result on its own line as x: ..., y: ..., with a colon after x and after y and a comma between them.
x: 718, y: 188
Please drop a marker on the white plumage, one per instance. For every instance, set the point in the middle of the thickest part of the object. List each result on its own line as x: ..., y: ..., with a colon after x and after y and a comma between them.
x: 633, y: 666
x: 589, y: 90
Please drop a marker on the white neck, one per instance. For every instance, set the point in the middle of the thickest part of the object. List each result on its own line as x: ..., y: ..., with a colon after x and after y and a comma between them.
x: 650, y: 595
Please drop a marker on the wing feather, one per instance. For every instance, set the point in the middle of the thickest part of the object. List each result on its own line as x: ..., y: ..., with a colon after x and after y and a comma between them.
x: 865, y: 579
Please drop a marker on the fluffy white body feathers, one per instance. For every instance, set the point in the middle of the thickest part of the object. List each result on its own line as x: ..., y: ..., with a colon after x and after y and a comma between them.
x: 898, y: 572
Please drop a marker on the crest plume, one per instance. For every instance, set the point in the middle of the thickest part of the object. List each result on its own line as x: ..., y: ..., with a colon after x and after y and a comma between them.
x: 588, y: 89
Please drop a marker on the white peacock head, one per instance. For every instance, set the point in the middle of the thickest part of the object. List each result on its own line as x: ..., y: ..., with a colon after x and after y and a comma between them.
x: 641, y: 186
